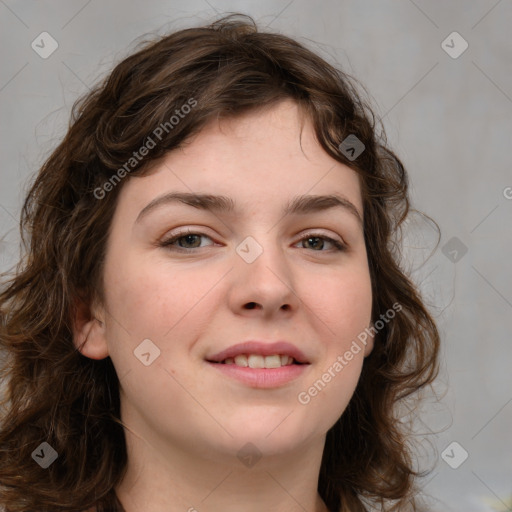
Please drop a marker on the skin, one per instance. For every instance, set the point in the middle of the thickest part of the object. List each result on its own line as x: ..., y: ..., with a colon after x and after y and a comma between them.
x: 185, y: 421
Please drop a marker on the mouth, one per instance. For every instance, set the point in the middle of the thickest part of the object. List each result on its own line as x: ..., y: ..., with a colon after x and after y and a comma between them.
x: 261, y: 364
x: 259, y: 354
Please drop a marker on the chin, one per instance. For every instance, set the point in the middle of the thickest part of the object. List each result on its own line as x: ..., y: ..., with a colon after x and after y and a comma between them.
x: 251, y: 449
x: 270, y: 437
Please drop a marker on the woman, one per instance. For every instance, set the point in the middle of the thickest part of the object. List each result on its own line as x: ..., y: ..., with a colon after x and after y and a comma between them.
x: 211, y: 314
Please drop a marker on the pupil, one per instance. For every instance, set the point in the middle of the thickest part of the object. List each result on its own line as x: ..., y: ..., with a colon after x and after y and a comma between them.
x: 188, y: 237
x: 313, y: 238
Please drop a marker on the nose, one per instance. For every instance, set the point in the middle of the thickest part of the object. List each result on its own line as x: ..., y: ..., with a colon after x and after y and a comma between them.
x: 266, y: 284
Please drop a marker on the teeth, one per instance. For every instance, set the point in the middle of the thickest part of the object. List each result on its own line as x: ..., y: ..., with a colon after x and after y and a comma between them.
x: 258, y: 361
x: 241, y: 360
x: 269, y: 361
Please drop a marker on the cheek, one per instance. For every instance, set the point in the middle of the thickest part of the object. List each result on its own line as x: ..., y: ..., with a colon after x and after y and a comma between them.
x: 154, y: 300
x: 169, y: 306
x: 342, y: 311
x: 344, y: 303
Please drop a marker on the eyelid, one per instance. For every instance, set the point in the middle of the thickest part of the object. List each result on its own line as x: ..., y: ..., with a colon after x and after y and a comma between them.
x: 318, y: 233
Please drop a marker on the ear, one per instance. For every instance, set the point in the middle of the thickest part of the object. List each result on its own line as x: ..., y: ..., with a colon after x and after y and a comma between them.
x: 89, y: 330
x: 369, y: 341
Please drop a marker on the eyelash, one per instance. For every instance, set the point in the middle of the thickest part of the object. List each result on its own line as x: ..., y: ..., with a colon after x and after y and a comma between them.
x: 339, y: 246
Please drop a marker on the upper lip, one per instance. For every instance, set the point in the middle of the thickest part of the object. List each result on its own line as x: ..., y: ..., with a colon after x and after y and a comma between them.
x: 260, y: 348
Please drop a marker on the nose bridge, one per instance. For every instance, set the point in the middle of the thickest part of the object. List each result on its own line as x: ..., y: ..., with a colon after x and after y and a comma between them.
x: 260, y: 249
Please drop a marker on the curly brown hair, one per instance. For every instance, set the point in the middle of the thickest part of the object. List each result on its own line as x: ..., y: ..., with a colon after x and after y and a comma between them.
x: 54, y: 394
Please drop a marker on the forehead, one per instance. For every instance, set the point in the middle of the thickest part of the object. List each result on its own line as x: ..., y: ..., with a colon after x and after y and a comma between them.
x: 261, y: 157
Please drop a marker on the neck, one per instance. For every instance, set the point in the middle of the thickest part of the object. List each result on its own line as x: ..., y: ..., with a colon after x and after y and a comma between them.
x: 165, y: 477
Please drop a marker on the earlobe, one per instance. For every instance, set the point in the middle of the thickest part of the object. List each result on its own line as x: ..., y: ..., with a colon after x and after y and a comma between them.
x: 89, y: 331
x: 369, y: 342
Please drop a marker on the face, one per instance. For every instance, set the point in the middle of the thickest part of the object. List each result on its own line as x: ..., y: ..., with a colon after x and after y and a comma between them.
x: 251, y: 273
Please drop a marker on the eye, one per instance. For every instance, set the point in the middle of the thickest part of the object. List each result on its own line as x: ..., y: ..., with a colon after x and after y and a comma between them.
x: 312, y: 240
x: 188, y: 241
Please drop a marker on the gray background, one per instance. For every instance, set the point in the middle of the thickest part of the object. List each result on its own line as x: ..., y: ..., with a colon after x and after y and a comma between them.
x: 449, y: 119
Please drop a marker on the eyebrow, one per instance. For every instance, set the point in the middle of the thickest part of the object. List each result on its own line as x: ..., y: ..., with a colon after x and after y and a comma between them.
x: 299, y: 205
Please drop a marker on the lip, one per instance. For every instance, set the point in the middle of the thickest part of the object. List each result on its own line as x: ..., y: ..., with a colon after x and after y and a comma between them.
x: 262, y: 377
x: 259, y: 348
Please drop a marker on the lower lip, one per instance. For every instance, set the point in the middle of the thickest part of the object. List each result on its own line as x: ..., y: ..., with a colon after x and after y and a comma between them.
x: 262, y: 377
